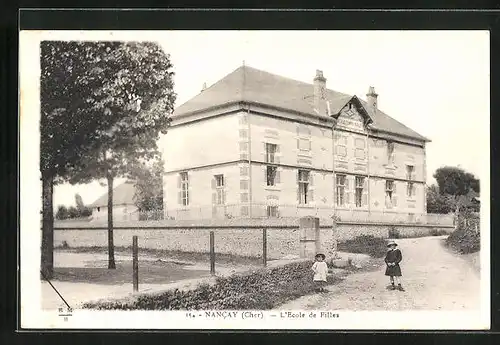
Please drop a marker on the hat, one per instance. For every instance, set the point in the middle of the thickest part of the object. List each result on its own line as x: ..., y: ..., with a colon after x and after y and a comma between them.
x: 320, y: 254
x: 392, y: 243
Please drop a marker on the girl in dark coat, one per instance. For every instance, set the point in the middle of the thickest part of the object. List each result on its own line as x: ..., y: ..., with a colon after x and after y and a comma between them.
x: 392, y: 260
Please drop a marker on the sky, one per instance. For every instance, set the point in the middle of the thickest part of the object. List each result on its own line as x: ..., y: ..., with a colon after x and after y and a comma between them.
x: 435, y: 82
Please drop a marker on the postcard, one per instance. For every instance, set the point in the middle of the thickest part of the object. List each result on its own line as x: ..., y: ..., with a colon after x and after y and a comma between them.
x: 260, y: 180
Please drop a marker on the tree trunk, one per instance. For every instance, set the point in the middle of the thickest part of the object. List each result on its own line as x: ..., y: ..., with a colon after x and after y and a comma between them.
x: 111, y: 246
x: 47, y: 258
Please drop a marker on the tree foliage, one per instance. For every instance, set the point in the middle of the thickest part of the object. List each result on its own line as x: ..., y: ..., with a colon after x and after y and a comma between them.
x: 79, y: 202
x: 437, y: 202
x: 149, y: 185
x: 131, y: 87
x: 72, y: 212
x: 455, y: 181
x: 100, y: 95
x: 453, y: 190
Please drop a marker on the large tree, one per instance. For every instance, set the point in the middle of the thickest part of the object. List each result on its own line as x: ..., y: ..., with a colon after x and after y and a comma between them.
x: 98, y: 99
x: 138, y: 91
x: 457, y: 183
x: 68, y: 130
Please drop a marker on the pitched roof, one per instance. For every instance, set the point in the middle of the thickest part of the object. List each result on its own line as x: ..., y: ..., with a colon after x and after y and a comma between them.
x: 123, y: 194
x: 252, y: 85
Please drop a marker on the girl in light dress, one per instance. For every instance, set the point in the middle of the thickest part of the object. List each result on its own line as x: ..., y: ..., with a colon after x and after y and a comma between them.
x: 320, y: 270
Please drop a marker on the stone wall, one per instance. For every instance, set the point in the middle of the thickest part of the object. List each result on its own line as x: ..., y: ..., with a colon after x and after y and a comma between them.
x: 281, y: 242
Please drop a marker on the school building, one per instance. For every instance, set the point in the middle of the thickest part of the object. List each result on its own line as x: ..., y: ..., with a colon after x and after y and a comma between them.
x: 256, y: 144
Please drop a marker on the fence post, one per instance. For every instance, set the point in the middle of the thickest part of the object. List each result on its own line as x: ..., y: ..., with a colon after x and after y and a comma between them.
x: 264, y: 247
x: 309, y: 241
x: 212, y: 253
x: 135, y: 263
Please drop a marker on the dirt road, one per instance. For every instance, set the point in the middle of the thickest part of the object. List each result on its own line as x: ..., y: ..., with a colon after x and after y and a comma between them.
x: 434, y: 279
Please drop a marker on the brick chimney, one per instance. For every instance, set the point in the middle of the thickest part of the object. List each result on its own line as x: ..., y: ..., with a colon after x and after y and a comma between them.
x: 320, y: 93
x: 371, y: 99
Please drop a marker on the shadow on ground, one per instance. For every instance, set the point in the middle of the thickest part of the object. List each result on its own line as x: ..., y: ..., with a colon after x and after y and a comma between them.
x: 149, y: 273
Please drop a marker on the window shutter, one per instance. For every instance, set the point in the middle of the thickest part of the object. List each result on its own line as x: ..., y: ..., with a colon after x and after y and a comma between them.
x: 224, y: 197
x: 347, y: 191
x: 214, y: 198
x: 264, y: 152
x: 189, y: 188
x: 311, y: 187
x: 364, y: 197
x: 277, y: 155
x: 298, y: 187
x: 265, y: 175
x: 213, y: 183
x: 278, y: 176
x: 298, y: 144
x: 310, y: 145
x: 179, y: 181
x: 179, y: 198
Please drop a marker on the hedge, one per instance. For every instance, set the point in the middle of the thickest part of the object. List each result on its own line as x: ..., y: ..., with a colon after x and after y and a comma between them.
x: 260, y: 290
x: 464, y: 239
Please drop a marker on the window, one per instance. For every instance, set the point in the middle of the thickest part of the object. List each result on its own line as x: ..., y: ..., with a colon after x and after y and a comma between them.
x: 98, y: 209
x: 303, y: 186
x: 360, y: 181
x: 271, y: 175
x: 389, y: 190
x: 184, y: 189
x: 390, y: 152
x: 219, y: 181
x: 341, y: 145
x: 409, y: 172
x: 244, y: 197
x: 341, y: 189
x: 219, y: 189
x: 272, y: 211
x: 270, y: 153
x: 410, y: 186
x: 410, y: 189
